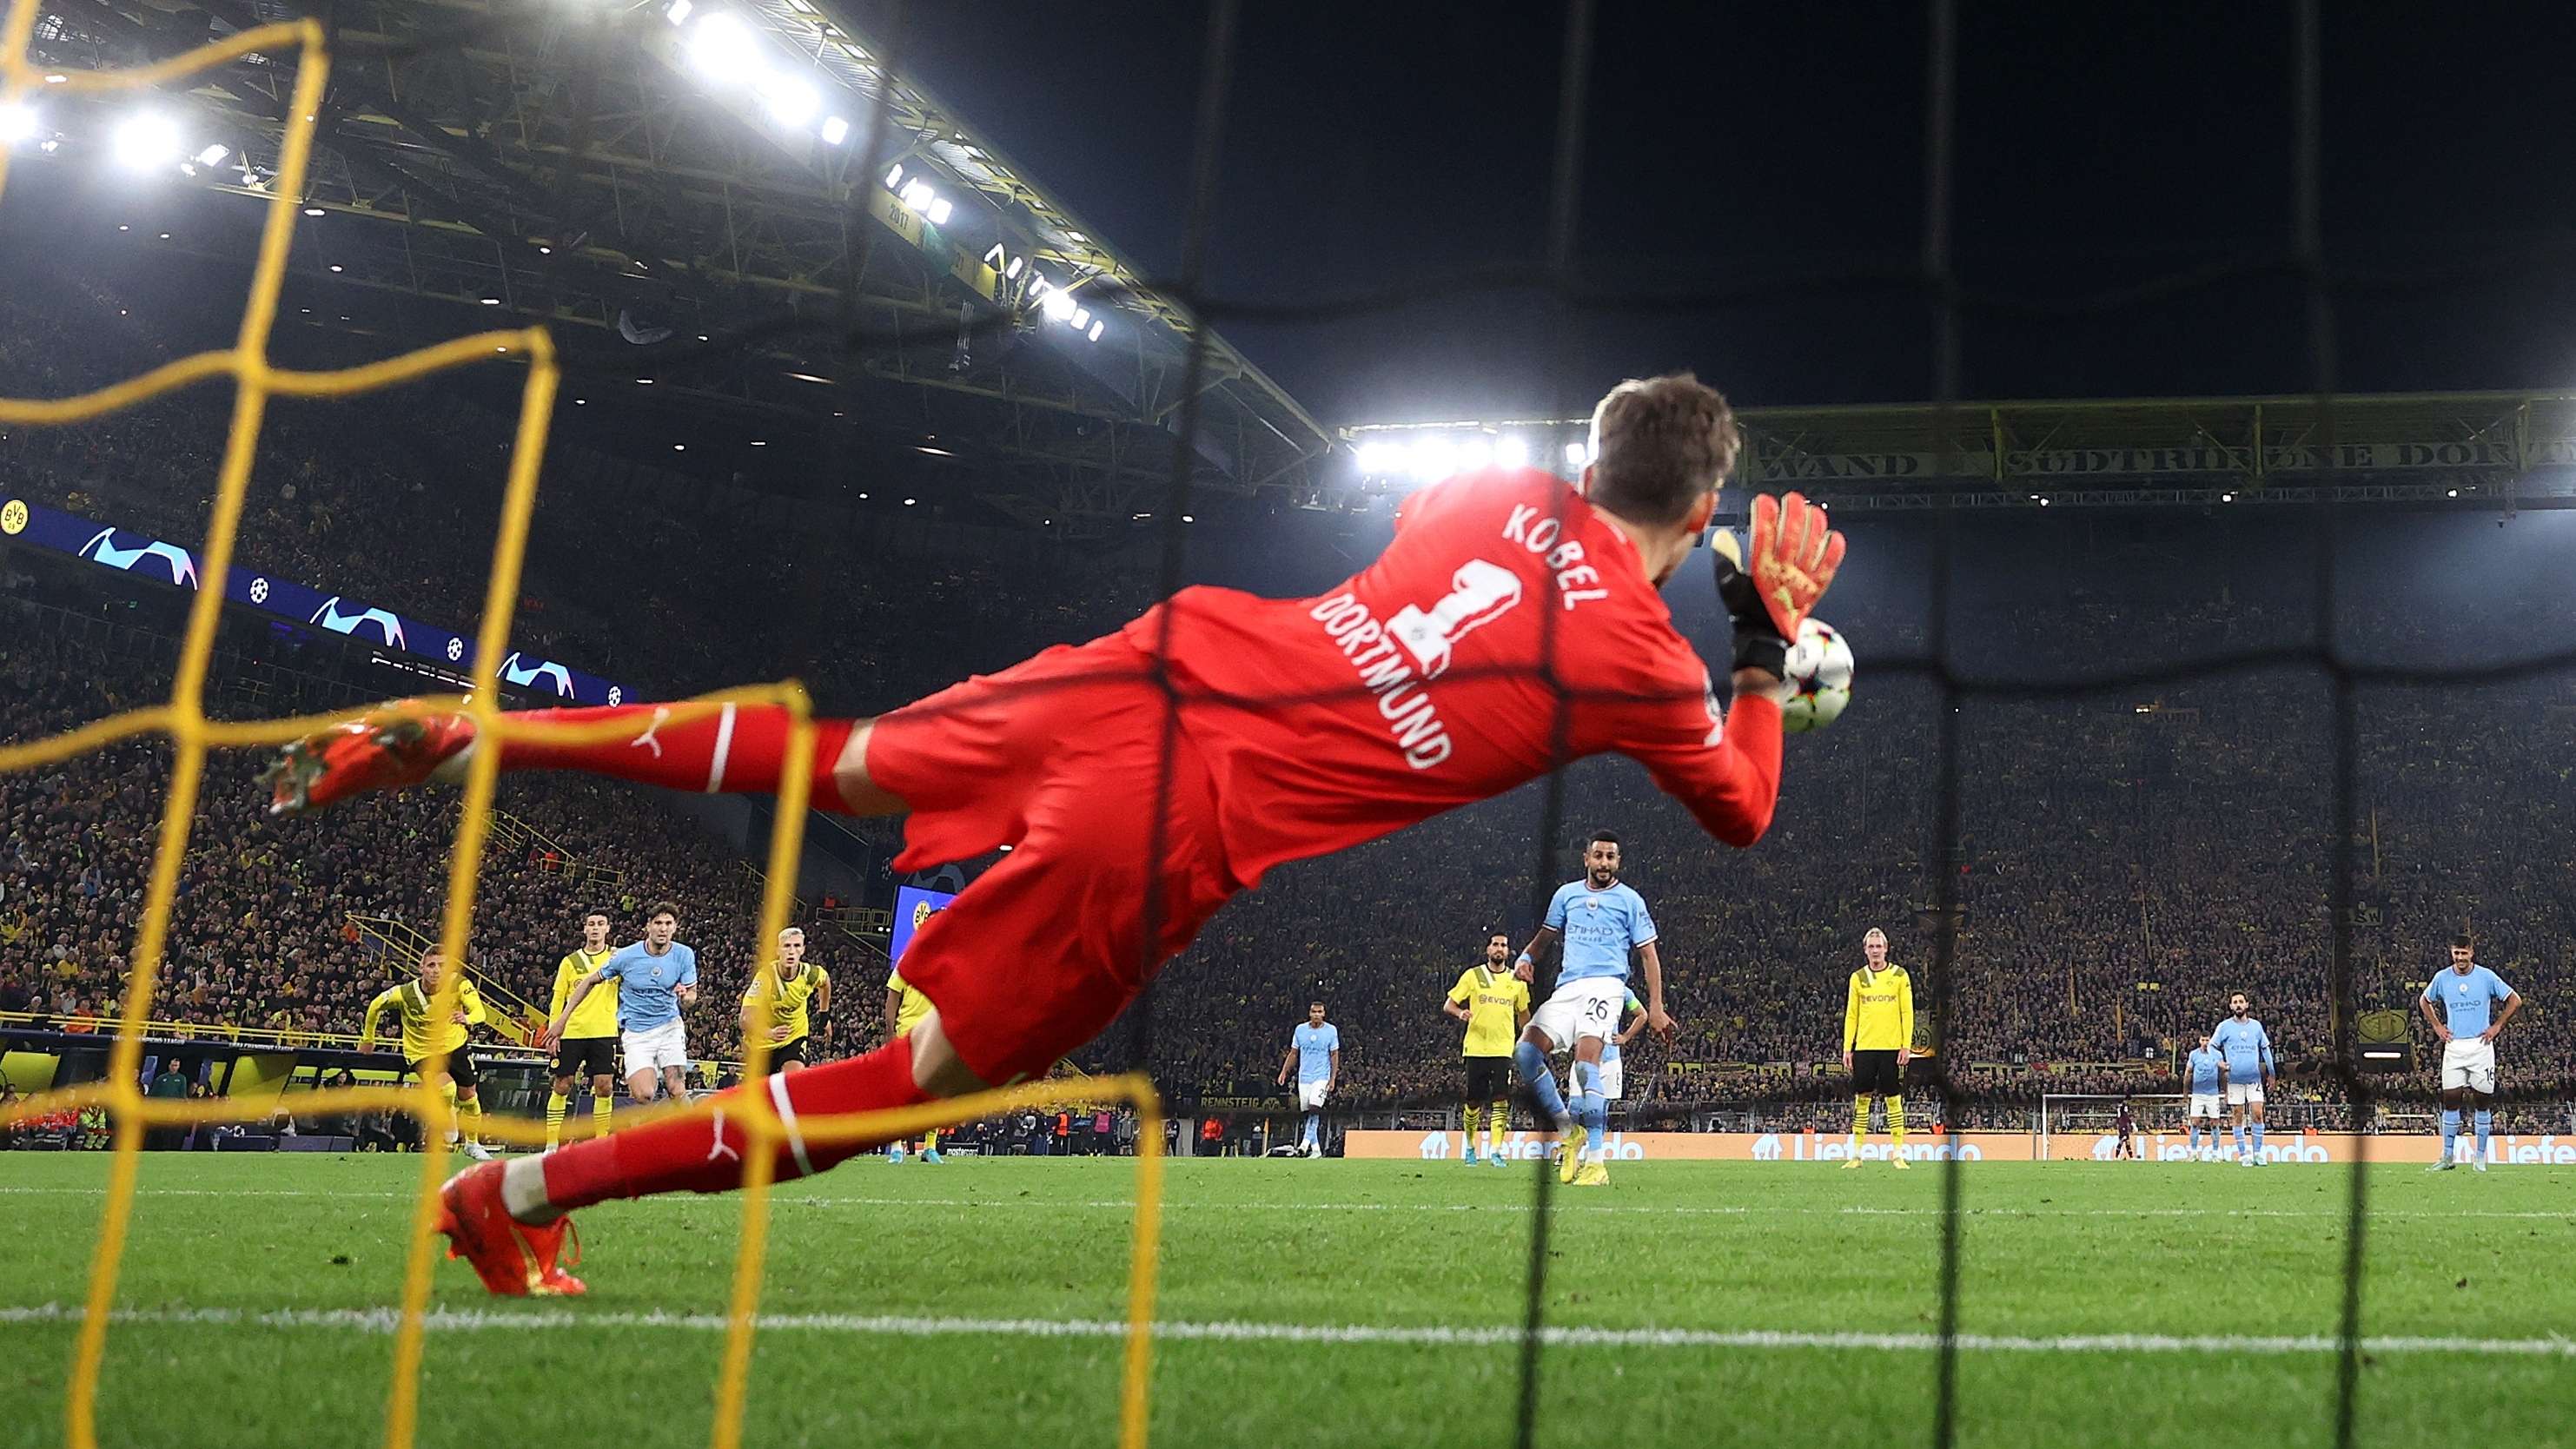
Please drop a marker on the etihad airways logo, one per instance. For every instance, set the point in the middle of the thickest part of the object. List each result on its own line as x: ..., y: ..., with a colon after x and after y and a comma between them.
x: 103, y: 548
x: 388, y: 629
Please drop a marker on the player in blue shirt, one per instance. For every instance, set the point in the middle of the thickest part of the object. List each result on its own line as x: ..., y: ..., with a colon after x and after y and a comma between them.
x: 657, y: 978
x: 1600, y: 921
x: 2245, y: 1070
x: 2207, y: 1073
x: 1315, y: 1049
x: 2468, y: 1027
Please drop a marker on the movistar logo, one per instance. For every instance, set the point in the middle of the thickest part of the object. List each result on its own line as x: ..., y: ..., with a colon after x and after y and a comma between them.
x: 516, y: 673
x: 388, y: 628
x: 104, y: 548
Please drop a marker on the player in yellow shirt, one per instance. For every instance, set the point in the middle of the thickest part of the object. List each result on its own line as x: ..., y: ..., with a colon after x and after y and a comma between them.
x: 1878, y: 1040
x: 1494, y: 1002
x: 780, y: 1003
x: 423, y: 1039
x: 904, y: 1007
x: 588, y: 1047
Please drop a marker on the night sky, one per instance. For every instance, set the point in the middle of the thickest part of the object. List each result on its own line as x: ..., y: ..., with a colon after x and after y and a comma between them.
x: 2099, y: 148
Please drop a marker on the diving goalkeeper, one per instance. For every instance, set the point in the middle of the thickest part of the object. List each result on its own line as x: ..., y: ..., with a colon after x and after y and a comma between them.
x: 1512, y: 626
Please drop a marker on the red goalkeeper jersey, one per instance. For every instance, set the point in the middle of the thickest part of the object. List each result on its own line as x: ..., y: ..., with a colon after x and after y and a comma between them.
x: 1435, y: 678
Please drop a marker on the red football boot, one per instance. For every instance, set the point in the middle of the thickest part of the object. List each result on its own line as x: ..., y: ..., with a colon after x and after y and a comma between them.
x: 380, y: 752
x: 545, y: 1244
x: 480, y: 1231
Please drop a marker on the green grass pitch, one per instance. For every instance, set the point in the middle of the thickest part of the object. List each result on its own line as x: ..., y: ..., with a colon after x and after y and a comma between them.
x: 1330, y: 1303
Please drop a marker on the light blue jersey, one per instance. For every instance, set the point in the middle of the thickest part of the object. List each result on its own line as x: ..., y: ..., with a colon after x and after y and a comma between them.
x: 2468, y: 999
x: 2208, y: 1070
x: 2247, y: 1048
x: 1600, y: 929
x: 648, y: 985
x: 1610, y: 1043
x: 1315, y: 1048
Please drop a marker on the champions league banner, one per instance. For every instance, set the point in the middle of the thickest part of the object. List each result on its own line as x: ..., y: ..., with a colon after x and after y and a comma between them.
x: 912, y: 906
x: 168, y: 563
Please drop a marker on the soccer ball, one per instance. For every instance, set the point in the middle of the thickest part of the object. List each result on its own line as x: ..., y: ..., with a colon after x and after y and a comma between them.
x: 1820, y: 677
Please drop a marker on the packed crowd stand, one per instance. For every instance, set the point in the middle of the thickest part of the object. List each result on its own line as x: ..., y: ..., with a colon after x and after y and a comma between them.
x: 2124, y: 860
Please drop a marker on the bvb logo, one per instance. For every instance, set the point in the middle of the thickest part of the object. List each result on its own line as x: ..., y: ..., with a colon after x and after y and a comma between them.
x: 922, y: 911
x: 13, y: 517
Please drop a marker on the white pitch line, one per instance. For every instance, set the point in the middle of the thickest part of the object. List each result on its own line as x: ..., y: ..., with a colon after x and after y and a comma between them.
x: 2335, y: 1210
x: 475, y: 1320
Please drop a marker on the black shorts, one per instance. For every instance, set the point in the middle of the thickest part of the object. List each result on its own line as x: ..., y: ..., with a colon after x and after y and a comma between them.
x: 586, y: 1056
x: 1874, y: 1074
x: 1489, y: 1079
x: 460, y: 1069
x: 794, y: 1051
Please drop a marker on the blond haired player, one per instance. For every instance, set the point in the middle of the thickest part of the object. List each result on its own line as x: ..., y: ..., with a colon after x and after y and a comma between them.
x: 1878, y: 1040
x: 905, y: 1007
x: 780, y: 1001
x: 1494, y: 1001
x: 423, y: 1039
x: 588, y: 1047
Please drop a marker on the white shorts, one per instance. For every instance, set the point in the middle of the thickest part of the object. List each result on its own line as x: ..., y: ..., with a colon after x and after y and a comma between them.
x: 1310, y: 1095
x: 1585, y: 1006
x: 2242, y: 1093
x: 656, y: 1047
x: 2469, y: 1064
x: 1612, y: 1078
x: 2205, y: 1104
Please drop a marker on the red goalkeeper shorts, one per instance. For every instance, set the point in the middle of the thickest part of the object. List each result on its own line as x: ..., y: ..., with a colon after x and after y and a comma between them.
x: 1062, y: 758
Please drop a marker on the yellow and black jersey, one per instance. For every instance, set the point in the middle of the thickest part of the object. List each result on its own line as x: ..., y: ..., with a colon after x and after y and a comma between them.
x: 1878, y: 1011
x: 790, y: 1004
x: 914, y: 1005
x: 598, y: 1014
x: 421, y: 1037
x: 1495, y: 1001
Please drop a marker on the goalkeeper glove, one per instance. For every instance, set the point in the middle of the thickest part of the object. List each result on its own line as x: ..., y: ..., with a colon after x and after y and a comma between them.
x: 1794, y: 556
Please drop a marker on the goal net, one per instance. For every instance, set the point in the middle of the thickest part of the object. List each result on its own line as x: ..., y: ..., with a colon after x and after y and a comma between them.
x: 2085, y: 1124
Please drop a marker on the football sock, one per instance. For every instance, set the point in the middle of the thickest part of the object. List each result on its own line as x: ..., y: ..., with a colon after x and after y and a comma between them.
x: 1540, y: 1081
x: 1896, y: 1121
x: 703, y: 1155
x: 1314, y: 1124
x: 1860, y: 1122
x: 447, y: 1098
x: 930, y: 1141
x: 2485, y: 1122
x: 557, y: 1103
x: 469, y: 1118
x: 2450, y: 1129
x: 1475, y: 1125
x: 2193, y: 1145
x: 739, y: 748
x: 2240, y: 1139
x: 2258, y: 1138
x: 601, y: 1105
x: 1590, y: 1108
x: 1498, y: 1115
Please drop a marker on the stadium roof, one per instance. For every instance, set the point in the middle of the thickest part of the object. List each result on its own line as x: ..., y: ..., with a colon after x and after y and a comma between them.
x: 696, y: 191
x: 2486, y: 450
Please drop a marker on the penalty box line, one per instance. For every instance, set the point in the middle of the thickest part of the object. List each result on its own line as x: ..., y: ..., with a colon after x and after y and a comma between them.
x: 475, y: 1320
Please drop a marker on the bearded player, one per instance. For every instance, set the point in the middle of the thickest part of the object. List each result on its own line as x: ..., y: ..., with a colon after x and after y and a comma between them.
x: 1513, y: 625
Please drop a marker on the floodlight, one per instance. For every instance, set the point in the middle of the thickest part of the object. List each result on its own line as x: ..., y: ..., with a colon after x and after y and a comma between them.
x: 791, y: 100
x: 213, y: 155
x: 1058, y: 305
x: 1434, y: 459
x: 1512, y: 452
x: 1013, y: 270
x: 1081, y: 319
x: 146, y: 140
x: 894, y: 176
x: 1378, y: 458
x: 723, y: 48
x: 835, y: 131
x: 1096, y: 329
x: 917, y: 194
x: 1577, y: 454
x: 938, y: 211
x: 1475, y: 453
x: 17, y: 122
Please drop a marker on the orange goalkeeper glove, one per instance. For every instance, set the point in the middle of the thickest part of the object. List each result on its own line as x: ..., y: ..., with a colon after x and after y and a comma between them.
x: 1794, y: 556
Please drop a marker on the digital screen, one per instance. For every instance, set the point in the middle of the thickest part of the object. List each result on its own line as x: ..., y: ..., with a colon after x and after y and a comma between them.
x: 300, y: 604
x: 912, y: 906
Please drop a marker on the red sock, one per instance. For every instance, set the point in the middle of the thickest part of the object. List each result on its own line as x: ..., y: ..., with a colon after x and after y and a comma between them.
x: 703, y: 1156
x: 739, y: 748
